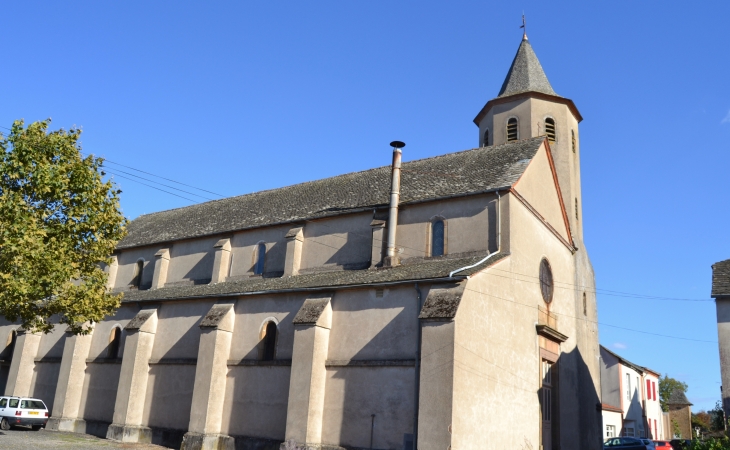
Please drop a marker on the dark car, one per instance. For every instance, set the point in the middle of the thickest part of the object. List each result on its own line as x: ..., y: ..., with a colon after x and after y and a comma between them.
x: 625, y: 443
x: 680, y: 444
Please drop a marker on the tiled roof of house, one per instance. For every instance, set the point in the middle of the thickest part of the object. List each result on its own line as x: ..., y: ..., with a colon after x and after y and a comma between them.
x: 422, y: 269
x: 463, y: 173
x: 677, y: 397
x: 525, y: 74
x: 721, y: 278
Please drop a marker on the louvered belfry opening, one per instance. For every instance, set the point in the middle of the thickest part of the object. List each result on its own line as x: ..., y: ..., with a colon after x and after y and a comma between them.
x: 550, y: 129
x: 512, y: 129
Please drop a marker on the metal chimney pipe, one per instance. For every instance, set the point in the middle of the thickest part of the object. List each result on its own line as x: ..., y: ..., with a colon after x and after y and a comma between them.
x: 391, y: 256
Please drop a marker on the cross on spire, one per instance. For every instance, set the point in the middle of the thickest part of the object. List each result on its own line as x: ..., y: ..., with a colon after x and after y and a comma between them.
x: 524, y: 26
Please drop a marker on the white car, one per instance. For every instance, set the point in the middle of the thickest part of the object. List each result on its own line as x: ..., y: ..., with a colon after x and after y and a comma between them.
x: 22, y: 411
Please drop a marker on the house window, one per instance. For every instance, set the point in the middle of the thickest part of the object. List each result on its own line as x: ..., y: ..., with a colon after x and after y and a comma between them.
x: 610, y: 431
x: 628, y: 387
x: 115, y: 337
x: 437, y: 237
x: 546, y: 281
x: 267, y: 346
x: 512, y: 129
x: 486, y: 138
x: 550, y: 129
x: 572, y: 139
x: 138, y: 272
x: 258, y: 268
x: 629, y: 431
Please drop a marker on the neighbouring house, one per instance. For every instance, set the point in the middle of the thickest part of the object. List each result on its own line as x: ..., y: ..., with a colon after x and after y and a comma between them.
x: 629, y: 398
x: 678, y: 420
x: 721, y: 294
x: 446, y: 302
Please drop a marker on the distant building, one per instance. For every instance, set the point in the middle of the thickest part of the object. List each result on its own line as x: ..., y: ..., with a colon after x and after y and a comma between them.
x: 679, y: 423
x: 460, y: 314
x: 721, y: 294
x: 629, y: 398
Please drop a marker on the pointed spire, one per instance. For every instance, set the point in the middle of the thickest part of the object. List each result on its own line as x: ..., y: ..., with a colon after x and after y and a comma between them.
x: 526, y: 73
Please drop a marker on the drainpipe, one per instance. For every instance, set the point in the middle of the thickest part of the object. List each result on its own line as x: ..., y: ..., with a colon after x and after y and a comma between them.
x: 391, y: 258
x: 499, y: 240
x: 417, y: 382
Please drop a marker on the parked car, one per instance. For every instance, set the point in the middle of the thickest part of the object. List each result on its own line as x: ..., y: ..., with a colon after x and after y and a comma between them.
x: 649, y: 443
x: 22, y: 411
x: 662, y: 445
x: 626, y: 443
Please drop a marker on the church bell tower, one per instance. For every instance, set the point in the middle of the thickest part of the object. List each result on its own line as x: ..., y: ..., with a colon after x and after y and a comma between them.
x: 526, y: 107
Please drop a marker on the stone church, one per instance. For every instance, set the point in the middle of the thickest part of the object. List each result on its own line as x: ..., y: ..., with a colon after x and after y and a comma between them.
x: 442, y: 303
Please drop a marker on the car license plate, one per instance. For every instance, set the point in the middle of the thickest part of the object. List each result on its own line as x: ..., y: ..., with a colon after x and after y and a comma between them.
x: 33, y: 413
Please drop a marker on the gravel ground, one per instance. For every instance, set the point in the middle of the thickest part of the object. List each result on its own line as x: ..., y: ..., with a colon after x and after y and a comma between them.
x: 24, y: 438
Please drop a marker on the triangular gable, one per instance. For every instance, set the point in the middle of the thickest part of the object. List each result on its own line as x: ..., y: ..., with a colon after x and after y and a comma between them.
x: 538, y: 188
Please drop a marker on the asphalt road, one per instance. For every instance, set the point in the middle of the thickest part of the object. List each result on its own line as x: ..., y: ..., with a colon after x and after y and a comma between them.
x: 22, y: 438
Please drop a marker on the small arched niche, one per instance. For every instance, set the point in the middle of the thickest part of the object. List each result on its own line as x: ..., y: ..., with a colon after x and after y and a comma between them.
x: 138, y: 273
x: 267, y: 340
x: 115, y: 340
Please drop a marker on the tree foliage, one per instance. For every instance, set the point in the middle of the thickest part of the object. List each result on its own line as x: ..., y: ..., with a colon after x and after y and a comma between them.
x: 667, y: 385
x: 58, y: 221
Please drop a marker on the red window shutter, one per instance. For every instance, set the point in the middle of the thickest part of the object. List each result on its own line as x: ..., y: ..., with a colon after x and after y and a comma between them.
x: 654, y: 390
x: 648, y: 389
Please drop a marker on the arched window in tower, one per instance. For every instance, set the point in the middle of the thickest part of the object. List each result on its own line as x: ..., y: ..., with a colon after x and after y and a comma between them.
x: 437, y: 237
x: 267, y: 345
x: 576, y: 209
x: 138, y: 272
x: 258, y: 268
x: 546, y: 281
x: 512, y: 129
x: 585, y: 305
x: 486, y: 138
x: 550, y: 129
x: 115, y: 338
x: 572, y: 139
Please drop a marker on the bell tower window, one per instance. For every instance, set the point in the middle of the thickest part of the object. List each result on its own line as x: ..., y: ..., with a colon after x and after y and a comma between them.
x: 512, y: 129
x: 572, y: 138
x: 486, y: 139
x: 550, y: 129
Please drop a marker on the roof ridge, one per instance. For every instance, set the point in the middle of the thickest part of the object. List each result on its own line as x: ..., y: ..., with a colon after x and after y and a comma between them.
x: 303, y: 183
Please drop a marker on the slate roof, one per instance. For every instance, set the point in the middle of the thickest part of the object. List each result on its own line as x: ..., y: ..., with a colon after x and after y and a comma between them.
x: 462, y: 173
x: 422, y: 270
x: 525, y: 74
x: 677, y: 397
x: 721, y: 278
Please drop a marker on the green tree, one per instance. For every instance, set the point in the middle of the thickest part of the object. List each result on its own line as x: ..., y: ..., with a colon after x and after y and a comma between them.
x: 58, y: 222
x: 718, y: 417
x: 667, y: 385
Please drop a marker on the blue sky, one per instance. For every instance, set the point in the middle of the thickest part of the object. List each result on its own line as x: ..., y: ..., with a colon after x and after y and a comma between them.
x: 236, y: 97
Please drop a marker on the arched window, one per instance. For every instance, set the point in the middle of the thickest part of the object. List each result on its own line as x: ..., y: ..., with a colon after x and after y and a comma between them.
x: 10, y: 344
x: 138, y: 272
x: 572, y: 139
x: 550, y: 129
x: 512, y: 129
x: 258, y: 268
x: 437, y: 237
x: 546, y: 281
x: 486, y: 138
x: 115, y: 338
x: 267, y: 346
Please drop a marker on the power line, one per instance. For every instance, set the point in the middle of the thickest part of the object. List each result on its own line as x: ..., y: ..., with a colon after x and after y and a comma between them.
x: 153, y: 187
x: 161, y: 184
